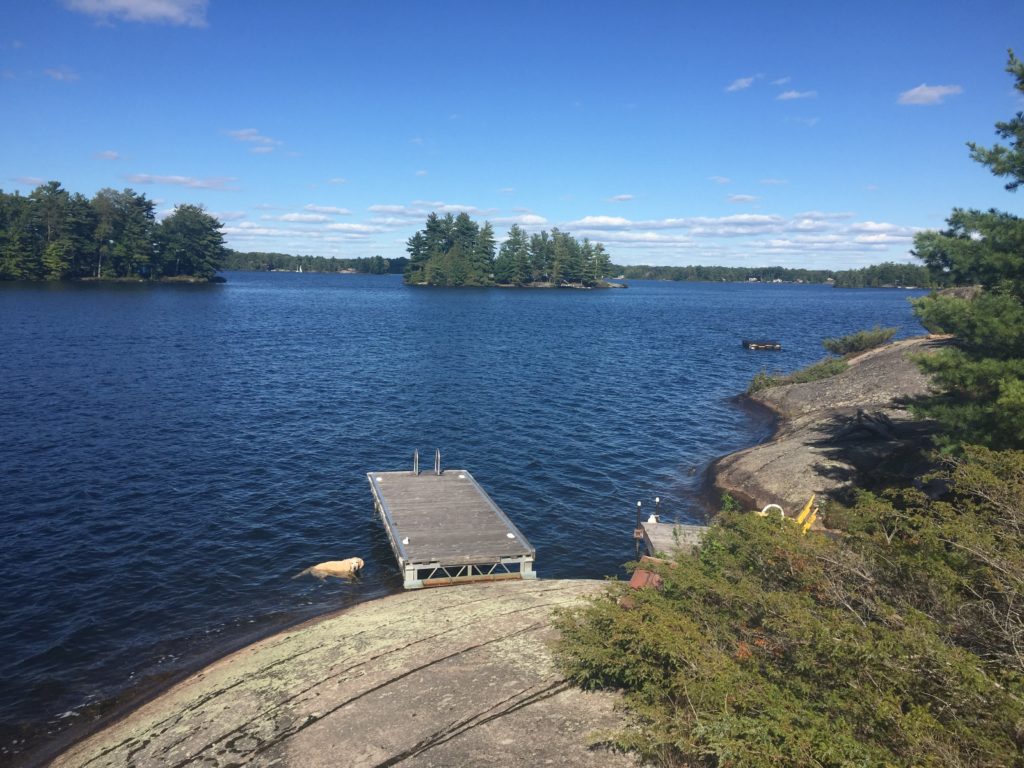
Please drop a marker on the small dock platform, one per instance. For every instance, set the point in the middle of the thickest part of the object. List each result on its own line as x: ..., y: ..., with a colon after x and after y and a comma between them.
x: 444, y: 528
x: 669, y: 538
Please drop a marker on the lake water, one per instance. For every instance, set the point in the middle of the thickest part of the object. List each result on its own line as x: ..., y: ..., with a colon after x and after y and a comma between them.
x: 172, y: 455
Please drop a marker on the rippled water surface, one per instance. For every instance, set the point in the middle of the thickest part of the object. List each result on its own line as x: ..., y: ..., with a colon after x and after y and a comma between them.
x: 172, y: 455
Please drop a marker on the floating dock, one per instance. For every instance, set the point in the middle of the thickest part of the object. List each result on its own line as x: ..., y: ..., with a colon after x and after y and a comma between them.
x: 444, y: 528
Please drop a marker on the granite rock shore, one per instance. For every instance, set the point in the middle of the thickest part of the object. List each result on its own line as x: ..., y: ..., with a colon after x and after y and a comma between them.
x: 457, y: 676
x: 835, y: 433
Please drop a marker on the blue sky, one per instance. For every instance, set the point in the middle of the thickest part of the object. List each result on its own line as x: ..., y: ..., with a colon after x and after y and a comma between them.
x: 810, y: 134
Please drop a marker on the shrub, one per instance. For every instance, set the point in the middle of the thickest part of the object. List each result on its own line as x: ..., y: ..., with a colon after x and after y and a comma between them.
x: 860, y: 341
x: 822, y: 369
x: 774, y: 648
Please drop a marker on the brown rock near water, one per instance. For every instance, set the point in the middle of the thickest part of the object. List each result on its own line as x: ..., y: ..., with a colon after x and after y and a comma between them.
x: 835, y: 432
x: 457, y: 676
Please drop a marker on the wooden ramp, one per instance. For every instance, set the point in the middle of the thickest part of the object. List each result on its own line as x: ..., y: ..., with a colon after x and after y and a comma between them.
x: 445, y: 529
x: 669, y: 538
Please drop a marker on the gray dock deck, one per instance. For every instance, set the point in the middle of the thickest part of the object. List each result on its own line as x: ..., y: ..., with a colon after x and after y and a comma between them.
x: 445, y: 529
x: 668, y: 538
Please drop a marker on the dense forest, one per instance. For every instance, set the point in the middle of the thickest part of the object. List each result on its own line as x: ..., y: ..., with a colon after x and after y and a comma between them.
x: 255, y: 261
x: 456, y: 251
x: 887, y: 275
x: 52, y: 234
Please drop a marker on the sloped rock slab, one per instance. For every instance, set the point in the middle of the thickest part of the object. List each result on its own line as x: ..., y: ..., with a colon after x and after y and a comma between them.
x: 832, y: 433
x: 459, y: 676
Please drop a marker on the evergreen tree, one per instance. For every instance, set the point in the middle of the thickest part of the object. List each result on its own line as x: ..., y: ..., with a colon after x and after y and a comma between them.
x: 482, y: 265
x: 540, y: 256
x: 456, y: 251
x: 191, y: 242
x: 16, y: 251
x: 512, y: 266
x: 982, y: 377
x: 124, y: 234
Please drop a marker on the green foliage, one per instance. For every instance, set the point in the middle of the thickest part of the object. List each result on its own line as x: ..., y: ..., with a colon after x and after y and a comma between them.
x: 861, y: 341
x: 823, y: 369
x: 981, y: 379
x: 1002, y: 160
x: 887, y: 275
x: 894, y: 644
x: 190, y: 239
x: 455, y: 251
x: 257, y: 261
x: 54, y: 235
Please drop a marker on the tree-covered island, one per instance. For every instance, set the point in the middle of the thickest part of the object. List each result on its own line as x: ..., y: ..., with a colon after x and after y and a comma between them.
x: 456, y: 251
x: 52, y: 234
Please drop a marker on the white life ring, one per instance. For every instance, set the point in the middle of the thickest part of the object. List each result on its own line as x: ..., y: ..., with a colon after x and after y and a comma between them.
x: 767, y: 507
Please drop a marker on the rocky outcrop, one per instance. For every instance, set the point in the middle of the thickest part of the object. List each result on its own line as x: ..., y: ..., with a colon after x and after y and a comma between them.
x: 833, y: 433
x: 451, y: 676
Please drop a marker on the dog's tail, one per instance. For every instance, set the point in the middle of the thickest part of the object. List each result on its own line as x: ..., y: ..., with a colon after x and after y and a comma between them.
x: 302, y: 573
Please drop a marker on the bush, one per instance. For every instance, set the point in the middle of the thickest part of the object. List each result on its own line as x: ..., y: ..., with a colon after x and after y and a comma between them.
x: 773, y: 648
x: 860, y: 341
x: 823, y: 369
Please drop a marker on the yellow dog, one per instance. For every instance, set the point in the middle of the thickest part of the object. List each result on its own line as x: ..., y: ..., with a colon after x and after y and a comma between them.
x: 343, y: 569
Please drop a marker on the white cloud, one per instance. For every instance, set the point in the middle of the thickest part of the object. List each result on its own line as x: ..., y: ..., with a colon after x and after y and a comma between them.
x: 929, y: 94
x: 773, y: 182
x: 303, y: 218
x: 634, y: 237
x: 190, y: 13
x: 362, y: 229
x: 824, y: 215
x: 216, y: 182
x: 742, y: 198
x: 809, y: 224
x: 523, y: 220
x: 108, y: 154
x: 254, y: 230
x: 883, y: 239
x: 601, y: 222
x: 739, y: 84
x: 29, y: 181
x: 781, y: 81
x: 228, y: 215
x: 399, y: 210
x: 328, y: 209
x: 61, y: 74
x: 620, y: 198
x: 421, y: 173
x: 881, y: 227
x: 442, y: 207
x: 337, y: 180
x: 741, y: 225
x: 264, y: 144
x: 705, y: 226
x: 790, y: 95
x: 419, y: 209
x: 392, y: 222
x: 720, y: 179
x: 507, y: 190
